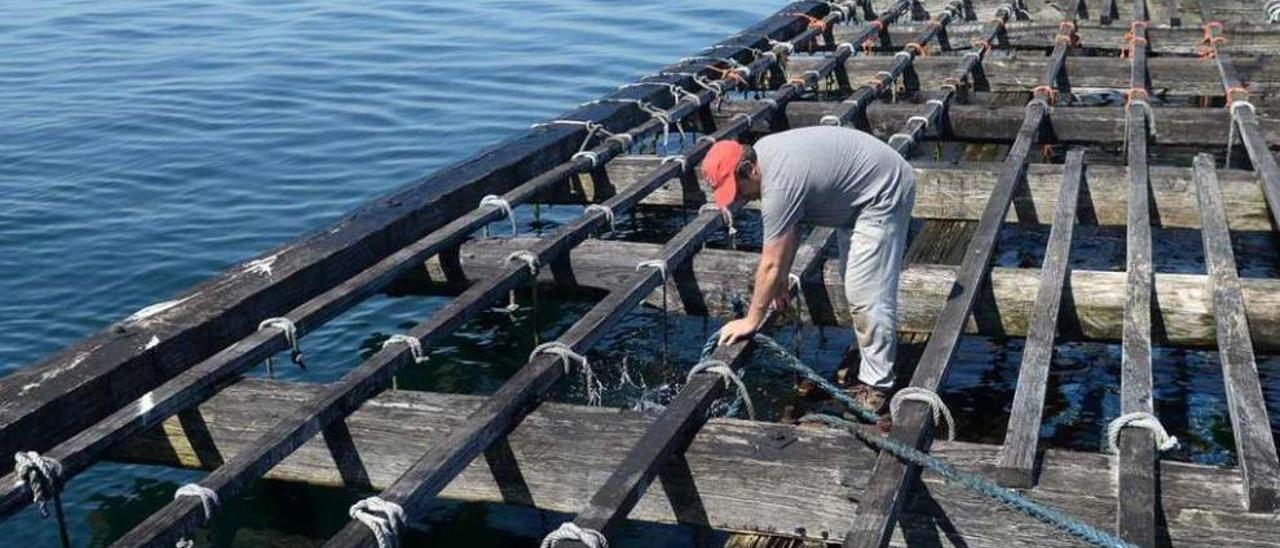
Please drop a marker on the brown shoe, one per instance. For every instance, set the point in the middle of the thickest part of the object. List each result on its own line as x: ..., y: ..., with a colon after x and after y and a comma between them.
x: 870, y: 397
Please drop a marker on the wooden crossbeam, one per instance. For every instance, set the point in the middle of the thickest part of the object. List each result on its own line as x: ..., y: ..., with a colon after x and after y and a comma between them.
x: 1250, y: 422
x: 184, y: 514
x: 1016, y: 465
x: 1247, y: 39
x: 878, y: 509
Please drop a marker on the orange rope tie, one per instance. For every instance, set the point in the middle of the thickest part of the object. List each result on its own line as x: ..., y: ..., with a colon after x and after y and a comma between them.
x: 729, y: 74
x: 920, y: 50
x: 814, y: 22
x: 934, y: 24
x: 876, y: 24
x: 878, y: 81
x: 1231, y: 93
x: 868, y: 46
x: 1209, y: 29
x: 1129, y: 96
x: 982, y: 44
x: 1049, y: 91
x: 951, y: 82
x: 1067, y: 27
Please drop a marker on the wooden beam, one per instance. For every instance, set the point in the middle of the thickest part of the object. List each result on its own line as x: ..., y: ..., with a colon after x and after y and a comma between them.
x: 878, y: 510
x: 959, y: 192
x: 1251, y: 134
x: 1136, y: 518
x: 1247, y: 39
x: 1069, y: 125
x: 747, y: 476
x: 1171, y: 77
x: 1250, y: 423
x: 49, y: 401
x: 1097, y: 297
x: 1017, y: 456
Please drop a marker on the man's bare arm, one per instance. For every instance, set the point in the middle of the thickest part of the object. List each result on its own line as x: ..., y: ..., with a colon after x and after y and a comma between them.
x: 770, y: 284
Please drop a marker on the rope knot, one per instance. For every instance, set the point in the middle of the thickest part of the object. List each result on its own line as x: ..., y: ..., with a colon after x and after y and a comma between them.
x: 43, y: 475
x: 724, y: 213
x: 829, y: 120
x: 209, y: 501
x: 1143, y: 420
x: 606, y: 210
x: 659, y: 264
x: 730, y: 378
x: 383, y: 518
x: 589, y: 155
x: 941, y: 415
x: 568, y: 357
x: 414, y: 344
x: 570, y: 531
x: 290, y: 335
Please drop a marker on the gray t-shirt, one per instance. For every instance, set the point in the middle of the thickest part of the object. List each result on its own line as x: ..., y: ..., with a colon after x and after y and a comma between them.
x: 825, y: 175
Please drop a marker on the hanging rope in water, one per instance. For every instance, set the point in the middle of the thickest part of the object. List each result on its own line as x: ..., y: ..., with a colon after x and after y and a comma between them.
x: 728, y: 221
x: 290, y: 335
x: 570, y: 531
x: 209, y: 502
x: 505, y: 207
x: 383, y: 518
x: 661, y: 266
x: 43, y: 475
x: 568, y: 357
x: 1010, y: 498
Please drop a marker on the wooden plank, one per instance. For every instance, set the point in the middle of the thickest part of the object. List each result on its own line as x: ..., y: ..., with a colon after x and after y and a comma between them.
x: 670, y: 434
x: 749, y: 476
x: 1136, y: 518
x: 877, y: 513
x: 119, y: 364
x: 959, y: 192
x: 1097, y: 311
x: 1017, y: 456
x: 1251, y: 134
x: 995, y: 124
x: 1250, y: 423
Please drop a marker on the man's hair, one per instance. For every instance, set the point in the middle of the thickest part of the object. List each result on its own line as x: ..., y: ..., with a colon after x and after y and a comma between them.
x: 745, y: 163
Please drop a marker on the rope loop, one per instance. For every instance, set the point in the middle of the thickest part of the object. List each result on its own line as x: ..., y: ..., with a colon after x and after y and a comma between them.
x: 814, y: 22
x: 950, y: 83
x: 918, y: 48
x: 982, y: 45
x: 1143, y: 420
x: 589, y: 155
x: 710, y: 140
x: 1273, y: 11
x: 845, y: 48
x: 504, y: 206
x: 901, y: 136
x: 561, y: 350
x: 570, y: 531
x: 829, y: 120
x: 624, y: 139
x: 383, y: 518
x: 730, y: 377
x: 924, y: 121
x: 209, y: 501
x: 527, y: 257
x: 1049, y: 93
x: 724, y: 212
x: 606, y: 210
x: 659, y: 264
x: 1231, y: 93
x: 43, y: 475
x: 941, y: 415
x: 678, y: 159
x: 938, y: 102
x: 414, y: 344
x: 290, y: 336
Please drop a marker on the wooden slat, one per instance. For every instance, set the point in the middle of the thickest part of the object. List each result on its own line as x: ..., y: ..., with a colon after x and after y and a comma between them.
x: 1250, y: 423
x: 873, y: 523
x: 681, y: 420
x: 1255, y: 39
x: 1136, y: 518
x: 1017, y: 456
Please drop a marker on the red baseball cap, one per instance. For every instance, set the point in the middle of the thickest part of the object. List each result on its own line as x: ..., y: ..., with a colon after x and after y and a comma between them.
x: 718, y: 169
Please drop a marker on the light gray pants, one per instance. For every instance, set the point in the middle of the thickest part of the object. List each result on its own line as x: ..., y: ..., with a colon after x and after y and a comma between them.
x: 872, y: 257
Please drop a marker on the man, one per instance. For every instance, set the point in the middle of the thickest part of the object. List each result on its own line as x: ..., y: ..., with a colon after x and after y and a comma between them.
x: 829, y: 176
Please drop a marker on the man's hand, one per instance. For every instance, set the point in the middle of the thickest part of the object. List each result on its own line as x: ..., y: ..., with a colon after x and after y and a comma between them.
x: 737, y: 330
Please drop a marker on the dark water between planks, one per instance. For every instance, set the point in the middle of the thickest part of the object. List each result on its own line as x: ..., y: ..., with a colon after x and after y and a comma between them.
x: 148, y: 145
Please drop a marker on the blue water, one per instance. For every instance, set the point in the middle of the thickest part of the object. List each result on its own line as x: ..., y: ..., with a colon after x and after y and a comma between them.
x: 148, y: 145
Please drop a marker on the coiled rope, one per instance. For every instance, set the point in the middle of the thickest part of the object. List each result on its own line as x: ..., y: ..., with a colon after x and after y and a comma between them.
x: 383, y: 518
x: 570, y: 531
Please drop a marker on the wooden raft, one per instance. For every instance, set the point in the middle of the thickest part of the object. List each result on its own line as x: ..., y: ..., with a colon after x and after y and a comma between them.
x: 967, y: 89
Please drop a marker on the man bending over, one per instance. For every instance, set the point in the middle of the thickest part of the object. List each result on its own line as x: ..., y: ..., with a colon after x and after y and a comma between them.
x: 836, y: 177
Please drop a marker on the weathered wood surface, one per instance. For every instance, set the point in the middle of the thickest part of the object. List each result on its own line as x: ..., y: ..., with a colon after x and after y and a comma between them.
x: 1138, y: 507
x: 1246, y: 39
x: 1174, y: 125
x: 1250, y: 423
x: 1097, y: 298
x: 958, y: 192
x: 1170, y: 76
x: 749, y: 476
x: 114, y: 366
x: 1017, y: 455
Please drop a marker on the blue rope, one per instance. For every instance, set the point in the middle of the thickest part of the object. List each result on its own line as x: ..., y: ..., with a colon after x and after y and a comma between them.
x: 1008, y: 497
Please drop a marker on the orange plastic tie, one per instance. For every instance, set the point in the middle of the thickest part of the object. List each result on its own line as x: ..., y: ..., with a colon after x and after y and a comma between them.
x: 876, y: 24
x: 814, y: 22
x: 1132, y: 93
x: 934, y: 24
x: 1067, y: 27
x: 1231, y: 94
x: 868, y: 46
x: 920, y: 50
x: 982, y: 44
x: 1049, y: 91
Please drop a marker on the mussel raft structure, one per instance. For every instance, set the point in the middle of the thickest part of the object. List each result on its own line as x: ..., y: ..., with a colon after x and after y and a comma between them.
x: 964, y: 89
